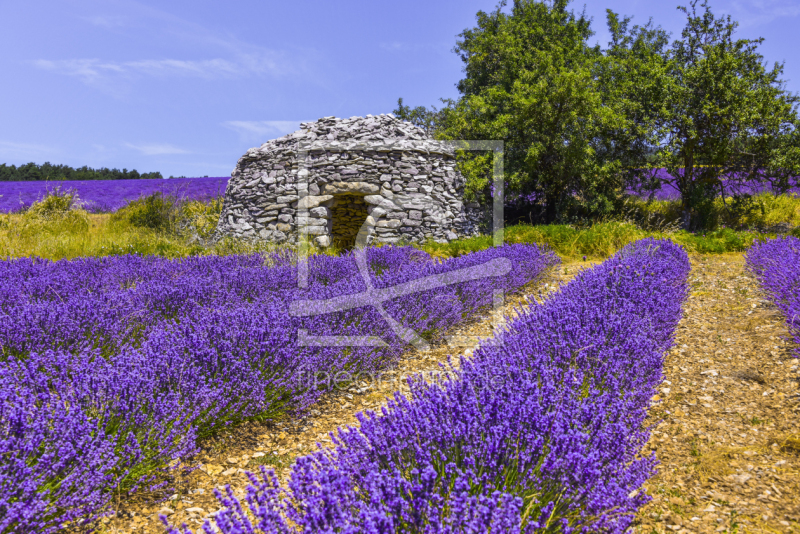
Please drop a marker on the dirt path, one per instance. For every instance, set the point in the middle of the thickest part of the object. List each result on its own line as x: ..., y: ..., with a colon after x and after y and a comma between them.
x: 730, y: 417
x: 225, y: 459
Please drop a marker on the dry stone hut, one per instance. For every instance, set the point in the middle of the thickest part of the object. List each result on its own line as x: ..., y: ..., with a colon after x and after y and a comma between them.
x: 375, y: 177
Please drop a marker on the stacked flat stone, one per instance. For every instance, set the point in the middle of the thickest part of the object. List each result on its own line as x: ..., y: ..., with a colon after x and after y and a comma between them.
x: 335, y: 178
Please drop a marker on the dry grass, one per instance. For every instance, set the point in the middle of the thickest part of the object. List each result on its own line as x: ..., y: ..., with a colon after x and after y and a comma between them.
x: 760, y: 211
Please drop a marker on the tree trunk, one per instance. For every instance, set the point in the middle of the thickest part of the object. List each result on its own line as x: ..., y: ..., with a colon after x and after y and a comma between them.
x: 550, y: 209
x: 687, y: 219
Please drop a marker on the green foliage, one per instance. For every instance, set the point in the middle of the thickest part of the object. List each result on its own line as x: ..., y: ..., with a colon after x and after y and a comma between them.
x: 199, y: 219
x: 55, y: 202
x: 48, y: 171
x: 598, y: 241
x: 157, y: 212
x: 581, y: 124
x: 420, y: 116
x: 762, y: 211
x: 723, y: 114
x: 57, y: 213
x: 533, y: 81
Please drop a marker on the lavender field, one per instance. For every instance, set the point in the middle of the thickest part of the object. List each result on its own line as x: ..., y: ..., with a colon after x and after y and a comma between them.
x: 112, y: 369
x: 109, y: 195
x: 731, y: 187
x: 541, y: 431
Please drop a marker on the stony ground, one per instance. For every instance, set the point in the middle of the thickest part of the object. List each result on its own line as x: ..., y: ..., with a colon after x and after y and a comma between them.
x: 726, y: 434
x: 728, y: 417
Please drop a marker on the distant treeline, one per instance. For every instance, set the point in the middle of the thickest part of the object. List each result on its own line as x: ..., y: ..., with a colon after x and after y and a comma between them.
x: 32, y: 172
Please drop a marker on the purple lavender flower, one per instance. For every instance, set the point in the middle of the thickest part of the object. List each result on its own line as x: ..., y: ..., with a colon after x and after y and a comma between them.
x: 113, y: 367
x: 541, y: 430
x: 109, y: 195
x: 776, y: 264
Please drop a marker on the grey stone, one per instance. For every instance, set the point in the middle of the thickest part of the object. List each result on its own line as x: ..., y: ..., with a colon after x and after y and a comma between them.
x: 317, y: 230
x: 322, y: 241
x: 376, y: 211
x: 390, y: 223
x: 350, y: 187
x: 362, y: 175
x: 380, y: 201
x: 312, y: 201
x: 310, y: 221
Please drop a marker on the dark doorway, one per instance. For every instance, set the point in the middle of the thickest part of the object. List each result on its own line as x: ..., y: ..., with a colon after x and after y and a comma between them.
x: 348, y: 213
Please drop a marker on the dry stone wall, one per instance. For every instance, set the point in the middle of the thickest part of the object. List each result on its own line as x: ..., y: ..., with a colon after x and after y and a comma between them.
x: 375, y: 177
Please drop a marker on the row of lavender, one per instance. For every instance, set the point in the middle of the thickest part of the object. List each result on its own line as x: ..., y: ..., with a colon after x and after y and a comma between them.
x: 776, y: 264
x: 542, y: 431
x: 112, y: 368
x: 109, y: 195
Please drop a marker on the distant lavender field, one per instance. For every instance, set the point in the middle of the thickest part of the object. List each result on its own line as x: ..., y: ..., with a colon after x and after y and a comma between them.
x: 667, y: 192
x: 109, y: 195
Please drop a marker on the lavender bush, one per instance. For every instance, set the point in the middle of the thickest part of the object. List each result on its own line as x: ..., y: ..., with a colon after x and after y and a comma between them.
x: 112, y: 368
x: 109, y: 195
x: 776, y: 264
x: 541, y: 432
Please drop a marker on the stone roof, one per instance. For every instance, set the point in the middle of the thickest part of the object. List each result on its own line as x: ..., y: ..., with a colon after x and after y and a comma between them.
x: 383, y: 132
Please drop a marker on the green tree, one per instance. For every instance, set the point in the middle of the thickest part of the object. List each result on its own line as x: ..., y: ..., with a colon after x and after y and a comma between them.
x: 50, y: 172
x: 725, y: 116
x: 427, y: 119
x: 532, y: 80
x: 633, y: 74
x: 782, y: 171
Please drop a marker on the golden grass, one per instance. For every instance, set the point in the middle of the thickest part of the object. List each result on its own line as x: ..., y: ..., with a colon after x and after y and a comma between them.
x: 760, y: 211
x: 57, y: 234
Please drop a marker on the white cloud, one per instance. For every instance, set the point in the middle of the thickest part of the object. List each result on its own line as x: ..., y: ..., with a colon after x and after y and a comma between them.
x: 157, y: 149
x: 94, y: 70
x: 89, y: 70
x: 262, y: 130
x: 226, y: 56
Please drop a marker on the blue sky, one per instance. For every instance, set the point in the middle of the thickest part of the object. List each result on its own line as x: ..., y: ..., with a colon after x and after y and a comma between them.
x: 186, y: 87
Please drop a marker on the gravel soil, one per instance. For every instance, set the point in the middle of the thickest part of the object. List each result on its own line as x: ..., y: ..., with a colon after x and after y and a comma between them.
x: 727, y: 415
x: 725, y: 422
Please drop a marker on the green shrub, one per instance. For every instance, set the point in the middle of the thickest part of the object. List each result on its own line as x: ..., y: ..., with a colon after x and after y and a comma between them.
x: 598, y: 241
x: 716, y: 242
x: 157, y: 211
x: 55, y: 203
x: 739, y: 211
x: 58, y: 212
x: 199, y: 219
